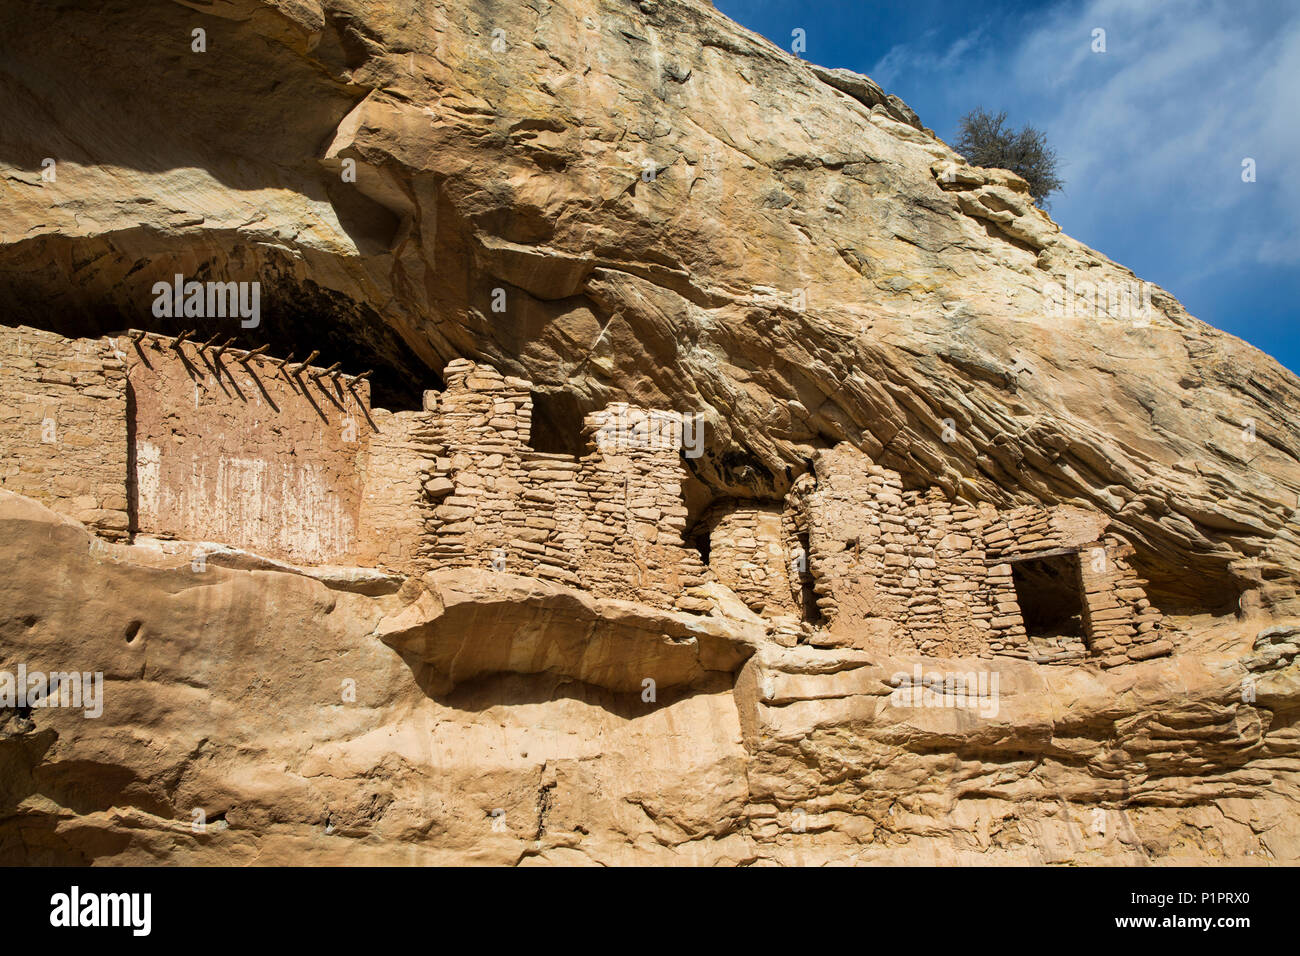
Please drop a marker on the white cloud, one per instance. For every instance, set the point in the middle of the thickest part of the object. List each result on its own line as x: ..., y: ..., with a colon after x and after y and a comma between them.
x: 1164, y: 118
x: 1151, y: 134
x: 915, y: 56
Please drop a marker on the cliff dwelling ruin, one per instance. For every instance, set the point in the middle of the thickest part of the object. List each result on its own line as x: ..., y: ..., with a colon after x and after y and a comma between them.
x: 149, y: 437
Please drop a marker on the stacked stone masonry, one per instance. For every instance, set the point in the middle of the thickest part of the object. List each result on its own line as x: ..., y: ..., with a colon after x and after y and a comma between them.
x: 944, y: 573
x: 146, y: 435
x: 62, y: 434
x: 610, y: 521
x: 399, y: 453
x: 748, y: 552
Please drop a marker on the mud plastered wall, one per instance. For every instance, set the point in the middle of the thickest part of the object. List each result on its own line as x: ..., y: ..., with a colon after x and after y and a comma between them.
x: 63, y: 425
x: 257, y: 454
x: 610, y: 521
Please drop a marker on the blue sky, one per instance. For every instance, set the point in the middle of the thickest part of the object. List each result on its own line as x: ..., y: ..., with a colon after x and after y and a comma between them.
x: 1151, y: 133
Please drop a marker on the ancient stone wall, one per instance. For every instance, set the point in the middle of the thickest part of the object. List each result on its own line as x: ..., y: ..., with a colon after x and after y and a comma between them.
x: 749, y: 553
x: 180, y: 440
x: 249, y: 451
x: 879, y: 553
x: 942, y: 576
x: 62, y: 425
x: 610, y: 521
x: 400, y: 454
x: 1119, y: 622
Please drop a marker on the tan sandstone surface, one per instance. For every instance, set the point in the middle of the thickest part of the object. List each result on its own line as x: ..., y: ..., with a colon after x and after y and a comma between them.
x: 674, y: 214
x: 228, y: 696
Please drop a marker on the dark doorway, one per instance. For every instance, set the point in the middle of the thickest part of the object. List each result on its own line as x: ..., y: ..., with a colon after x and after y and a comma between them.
x: 801, y: 565
x: 1050, y: 594
x: 702, y: 543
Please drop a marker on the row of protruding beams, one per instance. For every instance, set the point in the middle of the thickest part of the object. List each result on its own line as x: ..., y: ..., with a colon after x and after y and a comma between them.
x: 244, y: 356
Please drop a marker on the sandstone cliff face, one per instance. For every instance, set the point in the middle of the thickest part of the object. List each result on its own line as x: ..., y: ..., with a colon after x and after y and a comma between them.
x: 508, y: 148
x: 474, y: 717
x: 643, y: 203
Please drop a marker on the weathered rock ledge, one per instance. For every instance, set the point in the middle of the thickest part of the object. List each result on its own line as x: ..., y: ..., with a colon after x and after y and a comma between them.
x: 513, y: 726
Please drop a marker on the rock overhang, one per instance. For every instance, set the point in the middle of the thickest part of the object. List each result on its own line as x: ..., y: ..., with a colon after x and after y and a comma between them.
x: 467, y: 624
